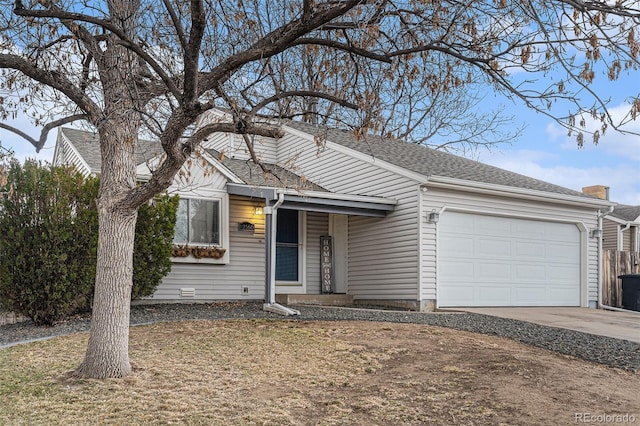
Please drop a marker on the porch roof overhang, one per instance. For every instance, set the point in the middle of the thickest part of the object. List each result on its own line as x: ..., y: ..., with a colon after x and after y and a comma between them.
x: 318, y: 201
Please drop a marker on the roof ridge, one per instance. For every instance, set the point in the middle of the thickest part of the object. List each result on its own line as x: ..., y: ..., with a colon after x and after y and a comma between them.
x: 428, y: 161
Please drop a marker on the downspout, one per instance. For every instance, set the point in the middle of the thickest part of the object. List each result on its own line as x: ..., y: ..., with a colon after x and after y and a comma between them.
x: 600, y: 304
x: 270, y: 304
x: 621, y: 236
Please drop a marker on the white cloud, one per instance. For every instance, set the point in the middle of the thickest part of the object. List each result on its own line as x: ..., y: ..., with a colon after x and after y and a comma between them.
x: 620, y: 178
x: 625, y: 145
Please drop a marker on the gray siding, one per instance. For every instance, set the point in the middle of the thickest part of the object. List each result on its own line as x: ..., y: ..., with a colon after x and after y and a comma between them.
x: 383, y: 253
x: 224, y: 282
x: 626, y: 240
x: 609, y: 235
x: 233, y: 146
x: 470, y: 202
x: 317, y: 225
x: 217, y: 141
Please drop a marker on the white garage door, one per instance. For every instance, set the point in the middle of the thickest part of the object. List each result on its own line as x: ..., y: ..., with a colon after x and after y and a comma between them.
x: 498, y: 261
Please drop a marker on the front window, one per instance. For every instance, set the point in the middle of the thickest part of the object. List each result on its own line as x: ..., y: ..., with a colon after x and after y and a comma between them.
x: 287, y: 247
x: 197, y: 222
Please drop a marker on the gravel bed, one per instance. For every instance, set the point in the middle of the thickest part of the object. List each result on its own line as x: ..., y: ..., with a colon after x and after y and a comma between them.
x: 604, y: 350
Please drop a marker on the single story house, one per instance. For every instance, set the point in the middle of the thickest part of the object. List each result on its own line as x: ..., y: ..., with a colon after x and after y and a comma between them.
x: 621, y: 226
x: 621, y: 229
x: 379, y: 220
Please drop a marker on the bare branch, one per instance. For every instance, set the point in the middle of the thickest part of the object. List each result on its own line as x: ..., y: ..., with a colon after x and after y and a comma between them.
x: 342, y: 46
x: 303, y: 93
x: 39, y: 144
x: 56, y: 81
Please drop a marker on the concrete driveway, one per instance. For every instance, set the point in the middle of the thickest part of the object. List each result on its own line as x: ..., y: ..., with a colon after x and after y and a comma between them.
x: 619, y: 325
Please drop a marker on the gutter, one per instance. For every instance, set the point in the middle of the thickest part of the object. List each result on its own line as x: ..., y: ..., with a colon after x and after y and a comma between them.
x: 514, y: 192
x: 270, y: 230
x: 601, y: 214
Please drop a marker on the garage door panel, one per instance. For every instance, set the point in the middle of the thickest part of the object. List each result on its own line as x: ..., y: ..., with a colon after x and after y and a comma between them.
x: 493, y: 295
x: 561, y: 232
x: 493, y: 247
x: 530, y: 250
x: 498, y: 261
x: 531, y: 294
x: 560, y: 252
x: 487, y: 225
x: 464, y: 293
x: 562, y: 274
x: 494, y: 271
x: 457, y: 247
x: 533, y: 273
x: 560, y: 294
x: 460, y: 270
x: 530, y: 229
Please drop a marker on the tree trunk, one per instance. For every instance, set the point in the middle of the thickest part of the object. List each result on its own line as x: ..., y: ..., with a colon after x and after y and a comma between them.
x: 108, y: 349
x: 107, y: 354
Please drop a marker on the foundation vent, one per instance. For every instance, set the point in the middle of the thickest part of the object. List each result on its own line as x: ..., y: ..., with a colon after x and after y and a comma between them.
x: 187, y: 292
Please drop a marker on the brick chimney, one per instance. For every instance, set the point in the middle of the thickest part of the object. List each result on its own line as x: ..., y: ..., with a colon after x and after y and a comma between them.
x: 598, y: 191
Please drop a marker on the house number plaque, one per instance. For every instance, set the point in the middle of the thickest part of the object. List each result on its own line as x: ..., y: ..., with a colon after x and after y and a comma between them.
x: 326, y: 264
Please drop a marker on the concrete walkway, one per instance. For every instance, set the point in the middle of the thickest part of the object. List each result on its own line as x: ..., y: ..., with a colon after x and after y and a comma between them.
x: 619, y: 325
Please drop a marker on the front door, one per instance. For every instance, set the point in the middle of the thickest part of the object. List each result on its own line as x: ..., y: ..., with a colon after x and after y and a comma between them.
x: 289, y: 264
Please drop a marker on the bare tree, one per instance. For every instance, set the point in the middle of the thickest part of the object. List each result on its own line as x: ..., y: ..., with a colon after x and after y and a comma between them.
x: 386, y: 66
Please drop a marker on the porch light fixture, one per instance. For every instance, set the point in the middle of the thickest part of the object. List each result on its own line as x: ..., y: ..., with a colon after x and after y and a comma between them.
x: 433, y: 217
x: 595, y: 233
x: 259, y: 211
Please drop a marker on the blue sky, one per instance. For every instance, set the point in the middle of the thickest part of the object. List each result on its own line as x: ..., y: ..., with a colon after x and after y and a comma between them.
x: 544, y: 151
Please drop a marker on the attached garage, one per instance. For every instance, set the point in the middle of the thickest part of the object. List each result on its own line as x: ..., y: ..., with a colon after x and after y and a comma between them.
x: 487, y: 260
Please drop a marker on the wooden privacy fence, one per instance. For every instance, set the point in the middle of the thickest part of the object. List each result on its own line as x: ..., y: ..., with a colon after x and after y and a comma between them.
x: 616, y: 263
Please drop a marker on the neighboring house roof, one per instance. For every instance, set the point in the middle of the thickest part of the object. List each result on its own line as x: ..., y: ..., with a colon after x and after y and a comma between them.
x: 253, y: 175
x: 626, y: 213
x: 430, y: 162
x: 88, y: 146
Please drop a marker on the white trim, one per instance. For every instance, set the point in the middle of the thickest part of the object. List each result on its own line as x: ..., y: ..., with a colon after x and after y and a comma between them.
x: 420, y: 249
x: 509, y: 191
x: 223, y: 198
x: 584, y: 264
x: 619, y: 237
x: 513, y: 215
x: 322, y: 195
x: 617, y: 220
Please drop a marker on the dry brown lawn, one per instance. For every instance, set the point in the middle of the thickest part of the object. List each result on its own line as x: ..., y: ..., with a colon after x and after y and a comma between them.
x: 271, y: 372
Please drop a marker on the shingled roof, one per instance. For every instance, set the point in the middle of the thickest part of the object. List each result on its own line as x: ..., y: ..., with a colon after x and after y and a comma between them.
x: 88, y: 146
x: 253, y: 175
x: 430, y: 162
x: 626, y: 213
x: 416, y: 158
